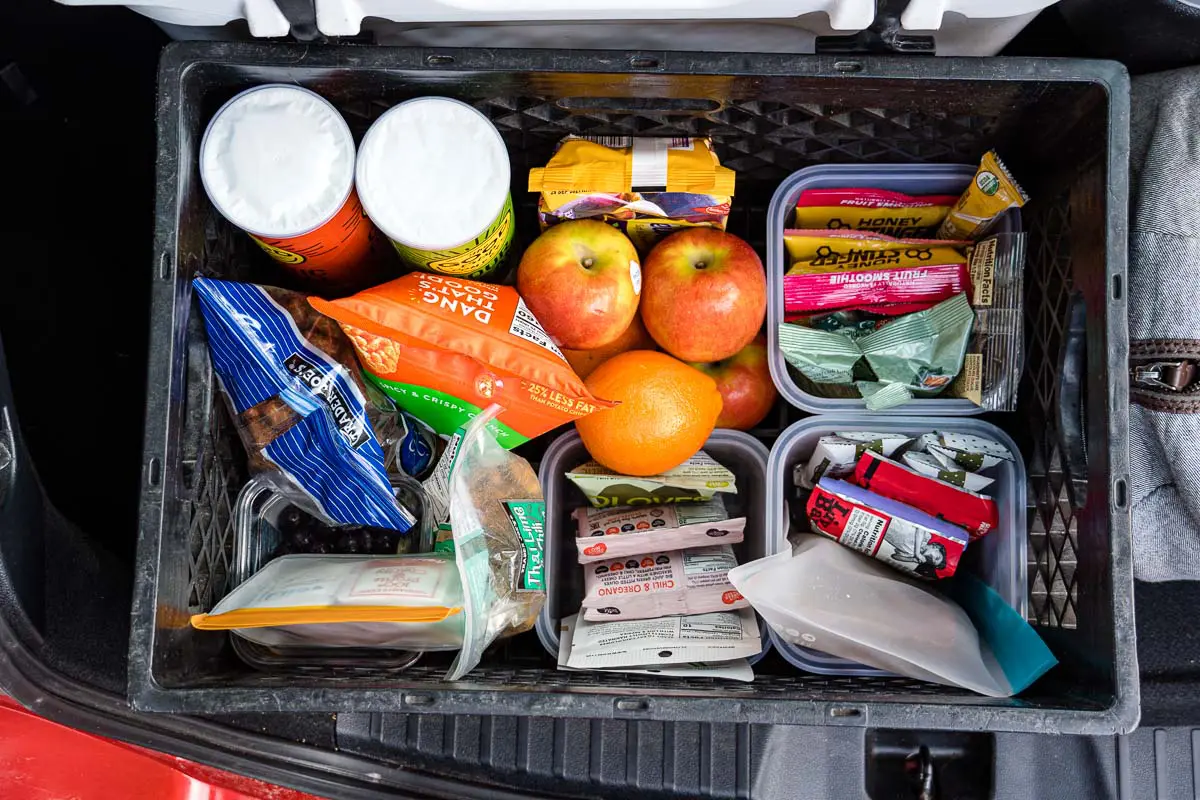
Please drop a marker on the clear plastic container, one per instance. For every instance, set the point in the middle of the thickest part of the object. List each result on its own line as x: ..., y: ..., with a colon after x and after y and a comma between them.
x: 913, y: 179
x: 999, y: 558
x: 740, y: 452
x: 256, y: 536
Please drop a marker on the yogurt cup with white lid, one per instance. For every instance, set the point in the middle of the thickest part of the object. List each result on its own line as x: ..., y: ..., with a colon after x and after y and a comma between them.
x: 277, y: 161
x: 434, y: 175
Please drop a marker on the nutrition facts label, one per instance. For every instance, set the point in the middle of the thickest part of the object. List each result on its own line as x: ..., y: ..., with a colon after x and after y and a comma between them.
x: 708, y: 566
x: 526, y: 325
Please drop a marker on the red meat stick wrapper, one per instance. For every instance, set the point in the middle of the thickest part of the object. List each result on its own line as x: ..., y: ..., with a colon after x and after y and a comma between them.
x: 974, y: 512
x: 831, y: 291
x: 899, y: 535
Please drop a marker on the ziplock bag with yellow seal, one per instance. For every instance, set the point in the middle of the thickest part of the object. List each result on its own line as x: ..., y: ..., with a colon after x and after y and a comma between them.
x: 649, y: 187
x: 498, y: 519
x: 409, y: 602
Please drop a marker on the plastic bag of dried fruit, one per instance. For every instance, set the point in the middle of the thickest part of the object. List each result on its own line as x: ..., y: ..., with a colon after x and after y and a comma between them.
x: 497, y: 514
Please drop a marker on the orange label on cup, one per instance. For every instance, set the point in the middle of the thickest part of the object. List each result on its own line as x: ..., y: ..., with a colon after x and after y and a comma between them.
x: 346, y: 250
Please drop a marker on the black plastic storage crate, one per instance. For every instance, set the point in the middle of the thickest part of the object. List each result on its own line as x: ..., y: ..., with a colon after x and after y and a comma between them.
x: 1061, y: 125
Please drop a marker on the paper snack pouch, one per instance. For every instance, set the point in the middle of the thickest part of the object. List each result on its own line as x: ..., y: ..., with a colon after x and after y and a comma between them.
x: 660, y: 584
x: 737, y: 669
x: 697, y: 480
x: 897, y: 534
x: 816, y: 251
x: 649, y: 187
x: 603, y: 534
x: 974, y: 512
x: 698, y: 638
x: 991, y: 192
x: 821, y: 356
x: 925, y: 464
x: 873, y: 210
x: 444, y: 348
x: 835, y: 456
x: 965, y: 450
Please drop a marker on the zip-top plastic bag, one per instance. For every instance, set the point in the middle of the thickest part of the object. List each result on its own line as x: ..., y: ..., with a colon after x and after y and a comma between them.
x: 498, y: 517
x: 410, y: 602
x: 826, y: 597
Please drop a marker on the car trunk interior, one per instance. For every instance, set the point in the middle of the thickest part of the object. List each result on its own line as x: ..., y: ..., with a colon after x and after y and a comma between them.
x: 77, y: 111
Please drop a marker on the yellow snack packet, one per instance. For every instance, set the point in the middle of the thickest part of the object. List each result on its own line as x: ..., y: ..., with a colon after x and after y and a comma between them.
x: 873, y: 210
x: 991, y: 192
x: 816, y: 252
x: 647, y: 187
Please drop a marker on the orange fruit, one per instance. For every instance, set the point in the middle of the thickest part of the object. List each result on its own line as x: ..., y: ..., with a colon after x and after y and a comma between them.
x: 635, y: 337
x: 667, y: 410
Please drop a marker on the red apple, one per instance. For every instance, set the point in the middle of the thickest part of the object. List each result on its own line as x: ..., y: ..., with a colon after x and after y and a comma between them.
x: 744, y: 380
x: 581, y: 279
x: 705, y: 294
x: 634, y: 338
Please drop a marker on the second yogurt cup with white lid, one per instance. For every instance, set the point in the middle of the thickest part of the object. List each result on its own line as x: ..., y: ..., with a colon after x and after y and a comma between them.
x: 278, y: 161
x: 433, y: 174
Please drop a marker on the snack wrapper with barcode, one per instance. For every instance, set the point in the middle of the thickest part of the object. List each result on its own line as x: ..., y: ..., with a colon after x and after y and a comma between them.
x: 692, y: 581
x: 648, y: 187
x: 899, y: 535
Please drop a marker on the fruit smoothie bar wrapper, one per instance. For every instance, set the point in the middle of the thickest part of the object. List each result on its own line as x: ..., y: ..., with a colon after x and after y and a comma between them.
x: 835, y: 456
x: 872, y: 210
x: 895, y: 291
x: 697, y: 638
x: 737, y: 669
x: 817, y: 251
x: 697, y: 480
x: 658, y: 584
x: 604, y: 534
x: 896, y: 534
x: 974, y: 512
x: 444, y: 348
x: 925, y: 464
x: 648, y: 187
x: 991, y: 192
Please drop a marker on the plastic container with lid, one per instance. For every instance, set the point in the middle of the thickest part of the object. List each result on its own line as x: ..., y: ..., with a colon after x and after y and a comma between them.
x: 256, y: 537
x: 278, y: 162
x: 999, y: 558
x: 433, y: 174
x: 912, y: 179
x: 740, y: 452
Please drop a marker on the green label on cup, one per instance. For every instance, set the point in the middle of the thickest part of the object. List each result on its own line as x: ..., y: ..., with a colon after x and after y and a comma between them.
x: 478, y: 258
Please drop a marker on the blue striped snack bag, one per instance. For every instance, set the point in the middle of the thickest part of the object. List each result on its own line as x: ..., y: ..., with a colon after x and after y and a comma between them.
x: 292, y: 380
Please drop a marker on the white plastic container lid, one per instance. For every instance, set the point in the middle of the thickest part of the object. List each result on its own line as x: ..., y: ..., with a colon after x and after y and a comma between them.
x: 277, y: 160
x: 433, y: 173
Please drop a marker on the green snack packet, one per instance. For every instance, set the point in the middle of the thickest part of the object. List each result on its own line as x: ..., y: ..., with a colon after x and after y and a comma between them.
x: 917, y: 355
x: 696, y: 480
x: 822, y: 356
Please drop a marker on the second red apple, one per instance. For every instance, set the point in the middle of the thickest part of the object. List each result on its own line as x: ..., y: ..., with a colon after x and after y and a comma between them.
x: 705, y: 294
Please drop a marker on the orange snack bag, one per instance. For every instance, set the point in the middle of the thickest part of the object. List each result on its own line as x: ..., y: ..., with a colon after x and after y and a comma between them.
x: 444, y: 348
